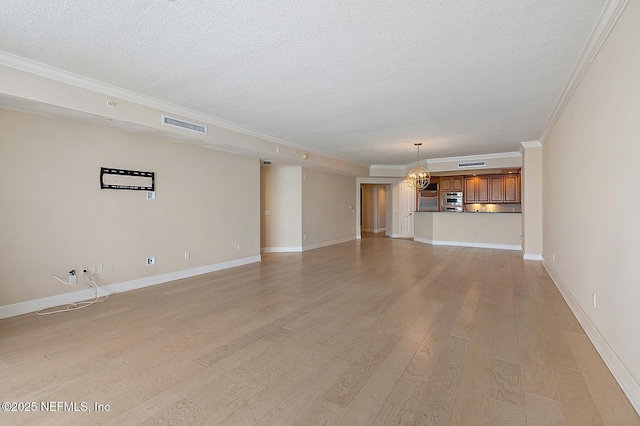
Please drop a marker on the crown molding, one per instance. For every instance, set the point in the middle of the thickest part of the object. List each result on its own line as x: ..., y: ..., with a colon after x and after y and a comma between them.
x: 17, y: 62
x: 531, y: 144
x: 392, y: 167
x: 606, y: 21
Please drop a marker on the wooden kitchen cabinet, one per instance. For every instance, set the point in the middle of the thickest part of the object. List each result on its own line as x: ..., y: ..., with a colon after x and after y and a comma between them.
x: 458, y: 183
x: 512, y: 188
x: 496, y: 189
x: 476, y: 189
x: 482, y: 189
x: 445, y: 184
x: 492, y: 189
x: 470, y: 190
x: 452, y: 183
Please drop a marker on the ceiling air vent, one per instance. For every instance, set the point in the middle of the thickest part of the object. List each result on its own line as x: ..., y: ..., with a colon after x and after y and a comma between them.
x: 174, y: 122
x: 472, y: 164
x: 267, y: 162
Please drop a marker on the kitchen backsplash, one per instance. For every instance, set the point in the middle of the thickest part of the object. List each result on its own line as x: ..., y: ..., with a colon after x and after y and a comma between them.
x: 493, y: 208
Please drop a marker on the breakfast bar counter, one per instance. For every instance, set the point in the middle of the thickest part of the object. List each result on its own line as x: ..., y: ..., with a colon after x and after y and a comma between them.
x: 487, y: 230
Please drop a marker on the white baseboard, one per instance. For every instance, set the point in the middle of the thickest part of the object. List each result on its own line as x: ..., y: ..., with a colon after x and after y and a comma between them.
x: 328, y: 243
x: 620, y: 372
x: 528, y: 256
x: 281, y: 249
x: 309, y: 247
x: 375, y: 231
x: 467, y: 244
x: 21, y: 308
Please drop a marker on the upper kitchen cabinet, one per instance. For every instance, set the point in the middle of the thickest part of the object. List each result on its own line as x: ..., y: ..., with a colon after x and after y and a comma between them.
x: 451, y: 183
x: 492, y: 189
x: 512, y: 188
x: 496, y: 189
x: 476, y: 189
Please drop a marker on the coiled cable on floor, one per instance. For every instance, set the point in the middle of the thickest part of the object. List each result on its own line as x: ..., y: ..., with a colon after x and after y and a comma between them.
x: 90, y: 281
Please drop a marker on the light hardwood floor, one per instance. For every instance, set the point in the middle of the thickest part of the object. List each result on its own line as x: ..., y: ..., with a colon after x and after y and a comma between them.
x: 375, y: 332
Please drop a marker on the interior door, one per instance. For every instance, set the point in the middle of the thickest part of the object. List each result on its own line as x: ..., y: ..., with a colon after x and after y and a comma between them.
x: 407, y: 208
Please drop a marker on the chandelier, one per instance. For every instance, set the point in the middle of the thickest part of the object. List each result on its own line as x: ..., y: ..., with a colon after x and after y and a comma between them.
x: 418, y: 177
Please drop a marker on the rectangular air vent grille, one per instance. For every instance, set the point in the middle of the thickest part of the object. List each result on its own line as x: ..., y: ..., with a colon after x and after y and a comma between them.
x: 174, y: 122
x: 472, y: 164
x: 267, y: 162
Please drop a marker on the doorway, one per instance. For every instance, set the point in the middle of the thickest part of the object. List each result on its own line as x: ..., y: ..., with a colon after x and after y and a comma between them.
x: 373, y: 210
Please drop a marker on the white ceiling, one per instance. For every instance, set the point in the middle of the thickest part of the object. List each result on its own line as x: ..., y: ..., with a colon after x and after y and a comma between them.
x: 361, y: 80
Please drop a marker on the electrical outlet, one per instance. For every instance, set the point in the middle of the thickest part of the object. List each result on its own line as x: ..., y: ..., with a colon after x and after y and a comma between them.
x: 151, y: 261
x: 73, y: 279
x: 239, y: 247
x: 553, y: 257
x: 187, y: 255
x: 595, y: 301
x: 96, y: 269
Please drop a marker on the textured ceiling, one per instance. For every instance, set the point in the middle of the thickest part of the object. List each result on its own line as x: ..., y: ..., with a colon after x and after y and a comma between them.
x: 361, y: 80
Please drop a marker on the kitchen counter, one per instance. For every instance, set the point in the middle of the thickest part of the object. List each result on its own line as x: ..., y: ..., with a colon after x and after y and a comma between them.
x: 471, y: 212
x: 469, y: 229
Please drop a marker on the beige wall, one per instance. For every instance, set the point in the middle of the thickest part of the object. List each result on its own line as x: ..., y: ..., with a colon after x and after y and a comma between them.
x: 495, y: 161
x: 87, y: 98
x: 328, y: 208
x: 281, y: 194
x: 368, y: 208
x: 54, y: 216
x: 532, y: 202
x: 590, y: 222
x: 382, y: 207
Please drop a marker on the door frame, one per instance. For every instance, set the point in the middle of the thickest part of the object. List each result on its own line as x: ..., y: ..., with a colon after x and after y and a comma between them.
x: 392, y: 200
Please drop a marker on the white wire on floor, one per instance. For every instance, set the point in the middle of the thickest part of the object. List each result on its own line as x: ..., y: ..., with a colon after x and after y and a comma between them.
x: 90, y: 281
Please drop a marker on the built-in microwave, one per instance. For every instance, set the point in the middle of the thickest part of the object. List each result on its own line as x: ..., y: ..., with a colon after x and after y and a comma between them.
x: 451, y: 199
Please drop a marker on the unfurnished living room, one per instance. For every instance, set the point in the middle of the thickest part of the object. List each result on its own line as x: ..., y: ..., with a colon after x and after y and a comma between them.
x: 309, y: 213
